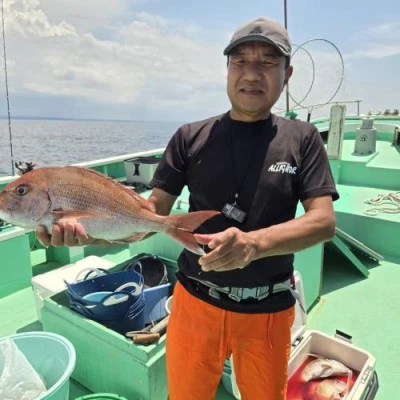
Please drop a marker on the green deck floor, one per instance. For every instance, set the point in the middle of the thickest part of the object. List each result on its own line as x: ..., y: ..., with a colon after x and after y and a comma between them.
x: 366, y: 308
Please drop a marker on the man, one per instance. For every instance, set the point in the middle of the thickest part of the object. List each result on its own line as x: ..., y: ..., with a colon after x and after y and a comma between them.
x: 254, y: 167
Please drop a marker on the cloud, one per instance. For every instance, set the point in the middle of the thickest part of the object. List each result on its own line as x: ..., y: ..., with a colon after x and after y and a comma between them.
x: 172, y: 25
x: 380, y: 41
x: 377, y: 52
x: 146, y: 57
x: 390, y: 31
x: 87, y: 15
x: 28, y: 20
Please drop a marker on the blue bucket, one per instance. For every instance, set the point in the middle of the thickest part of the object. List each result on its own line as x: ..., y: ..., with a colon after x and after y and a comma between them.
x: 52, y: 356
x: 107, y: 296
x: 115, y: 300
x: 133, y: 320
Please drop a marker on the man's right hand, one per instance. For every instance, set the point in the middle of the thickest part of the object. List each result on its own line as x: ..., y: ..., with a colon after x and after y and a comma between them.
x: 67, y: 234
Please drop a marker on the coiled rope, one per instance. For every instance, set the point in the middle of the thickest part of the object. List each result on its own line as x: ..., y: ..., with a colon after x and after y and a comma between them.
x: 384, y: 203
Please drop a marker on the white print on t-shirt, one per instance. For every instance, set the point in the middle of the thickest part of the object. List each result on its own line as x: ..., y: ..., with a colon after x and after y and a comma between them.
x: 284, y: 167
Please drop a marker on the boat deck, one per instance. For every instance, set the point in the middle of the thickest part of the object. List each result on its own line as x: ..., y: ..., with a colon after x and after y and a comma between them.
x: 365, y: 308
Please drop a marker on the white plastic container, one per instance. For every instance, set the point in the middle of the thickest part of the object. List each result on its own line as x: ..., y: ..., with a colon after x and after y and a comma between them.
x: 338, y: 348
x: 52, y: 282
x: 140, y: 169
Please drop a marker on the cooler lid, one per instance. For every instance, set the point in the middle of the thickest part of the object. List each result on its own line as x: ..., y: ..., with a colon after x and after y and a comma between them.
x: 144, y: 159
x: 300, y: 321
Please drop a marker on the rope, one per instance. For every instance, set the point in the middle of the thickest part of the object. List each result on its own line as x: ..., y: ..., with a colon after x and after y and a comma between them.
x: 391, y: 199
x: 6, y: 80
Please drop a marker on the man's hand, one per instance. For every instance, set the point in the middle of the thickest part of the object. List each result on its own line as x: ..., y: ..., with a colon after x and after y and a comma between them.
x: 231, y: 249
x: 67, y: 234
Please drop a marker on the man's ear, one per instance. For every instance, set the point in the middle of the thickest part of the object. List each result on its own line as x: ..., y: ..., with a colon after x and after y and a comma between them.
x: 288, y: 74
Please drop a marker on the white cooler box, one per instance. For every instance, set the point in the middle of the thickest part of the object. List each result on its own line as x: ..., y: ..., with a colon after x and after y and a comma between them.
x: 52, y: 282
x: 140, y: 170
x: 338, y: 348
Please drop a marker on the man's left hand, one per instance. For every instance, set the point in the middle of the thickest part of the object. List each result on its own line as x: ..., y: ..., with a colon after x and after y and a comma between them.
x: 231, y: 249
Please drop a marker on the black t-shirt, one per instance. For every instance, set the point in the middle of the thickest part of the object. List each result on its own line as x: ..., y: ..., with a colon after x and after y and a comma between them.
x: 271, y: 165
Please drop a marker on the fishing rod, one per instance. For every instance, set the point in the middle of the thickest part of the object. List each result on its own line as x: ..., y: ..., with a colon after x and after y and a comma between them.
x: 6, y: 82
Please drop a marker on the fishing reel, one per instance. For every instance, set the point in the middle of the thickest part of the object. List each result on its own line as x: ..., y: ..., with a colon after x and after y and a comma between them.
x: 24, y: 166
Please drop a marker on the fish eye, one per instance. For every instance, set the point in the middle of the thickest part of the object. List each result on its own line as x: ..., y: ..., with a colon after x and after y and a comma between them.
x: 21, y: 190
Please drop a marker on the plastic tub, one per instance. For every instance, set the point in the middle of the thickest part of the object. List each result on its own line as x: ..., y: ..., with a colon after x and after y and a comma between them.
x: 101, y: 396
x: 168, y: 305
x: 155, y: 299
x: 52, y: 356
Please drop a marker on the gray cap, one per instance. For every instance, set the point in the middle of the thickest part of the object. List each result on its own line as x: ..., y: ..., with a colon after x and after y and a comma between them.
x: 262, y: 30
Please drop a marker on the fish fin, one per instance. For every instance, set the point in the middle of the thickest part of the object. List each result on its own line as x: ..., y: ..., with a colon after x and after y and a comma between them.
x: 141, y: 200
x: 348, y: 382
x: 182, y: 226
x: 327, y: 370
x: 75, y: 216
x: 190, y: 221
x: 187, y: 240
x: 133, y: 238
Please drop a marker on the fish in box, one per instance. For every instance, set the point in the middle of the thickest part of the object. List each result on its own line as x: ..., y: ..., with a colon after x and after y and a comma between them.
x: 321, y: 366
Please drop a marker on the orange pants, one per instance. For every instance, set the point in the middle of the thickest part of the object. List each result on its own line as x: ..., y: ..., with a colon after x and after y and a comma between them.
x: 200, y: 337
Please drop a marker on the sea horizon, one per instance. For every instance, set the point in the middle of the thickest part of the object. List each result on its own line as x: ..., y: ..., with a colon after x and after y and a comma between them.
x: 51, y: 118
x: 57, y: 141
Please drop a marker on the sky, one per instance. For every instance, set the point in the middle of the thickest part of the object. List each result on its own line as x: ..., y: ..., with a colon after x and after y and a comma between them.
x: 162, y: 60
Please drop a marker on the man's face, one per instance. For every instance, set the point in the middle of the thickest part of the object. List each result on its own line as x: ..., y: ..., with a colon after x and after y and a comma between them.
x: 256, y: 76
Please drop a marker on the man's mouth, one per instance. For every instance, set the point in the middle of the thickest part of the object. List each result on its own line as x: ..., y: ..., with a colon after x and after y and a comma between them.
x: 251, y: 91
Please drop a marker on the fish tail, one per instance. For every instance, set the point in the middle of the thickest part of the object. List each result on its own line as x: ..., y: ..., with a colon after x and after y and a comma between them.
x: 182, y: 225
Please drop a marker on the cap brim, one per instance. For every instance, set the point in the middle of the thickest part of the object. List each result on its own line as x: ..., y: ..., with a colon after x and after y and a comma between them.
x: 254, y: 38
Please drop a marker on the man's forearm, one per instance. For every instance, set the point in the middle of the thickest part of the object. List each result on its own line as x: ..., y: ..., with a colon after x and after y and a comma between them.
x: 295, y: 235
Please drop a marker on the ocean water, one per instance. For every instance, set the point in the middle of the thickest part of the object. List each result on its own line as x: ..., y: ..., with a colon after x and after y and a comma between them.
x: 63, y: 142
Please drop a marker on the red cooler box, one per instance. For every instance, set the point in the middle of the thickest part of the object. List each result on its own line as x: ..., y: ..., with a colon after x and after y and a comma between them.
x: 305, y: 343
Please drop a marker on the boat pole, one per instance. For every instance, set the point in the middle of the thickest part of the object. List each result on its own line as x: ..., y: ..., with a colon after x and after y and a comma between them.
x: 6, y: 81
x: 287, y: 84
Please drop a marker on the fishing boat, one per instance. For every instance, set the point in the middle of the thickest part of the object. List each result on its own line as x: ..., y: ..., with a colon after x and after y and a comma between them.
x: 350, y: 283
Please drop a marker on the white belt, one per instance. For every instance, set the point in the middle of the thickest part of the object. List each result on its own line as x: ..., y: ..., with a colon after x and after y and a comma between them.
x: 238, y: 293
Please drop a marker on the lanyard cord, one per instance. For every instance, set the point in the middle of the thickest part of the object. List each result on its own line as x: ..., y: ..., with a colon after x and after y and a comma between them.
x: 238, y: 185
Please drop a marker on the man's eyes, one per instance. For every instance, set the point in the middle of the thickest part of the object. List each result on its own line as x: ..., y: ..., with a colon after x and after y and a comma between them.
x: 263, y: 61
x: 239, y: 61
x: 269, y: 62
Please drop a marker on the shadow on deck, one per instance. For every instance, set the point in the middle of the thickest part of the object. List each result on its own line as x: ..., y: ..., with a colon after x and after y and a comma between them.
x: 338, y: 271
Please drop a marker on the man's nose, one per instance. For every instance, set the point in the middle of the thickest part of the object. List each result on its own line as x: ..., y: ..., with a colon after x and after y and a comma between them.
x: 253, y: 70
